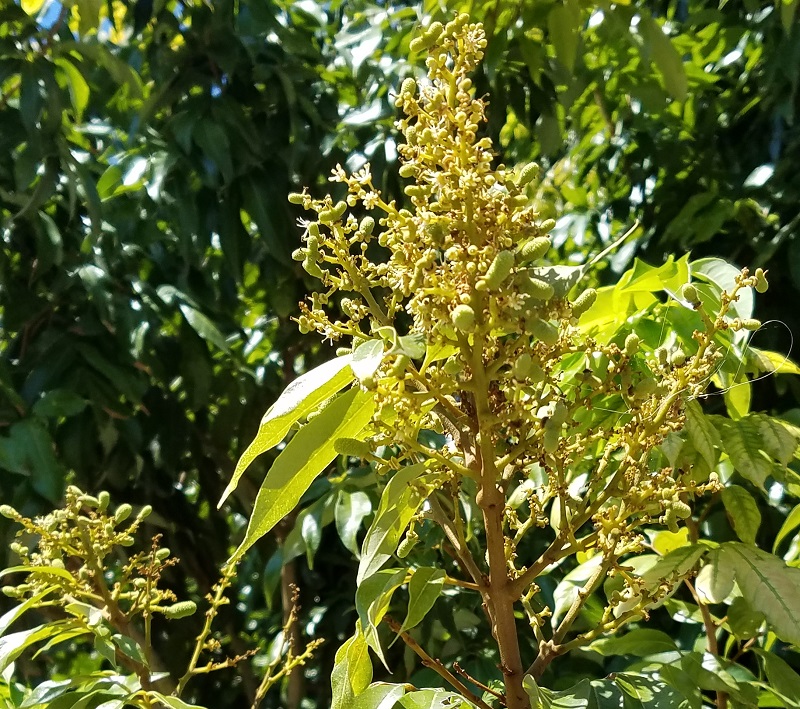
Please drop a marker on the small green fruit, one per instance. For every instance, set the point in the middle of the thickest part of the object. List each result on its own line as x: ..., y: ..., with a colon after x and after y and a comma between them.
x: 522, y: 366
x: 352, y: 447
x: 122, y: 513
x: 463, y: 317
x: 632, y: 343
x: 761, y: 281
x: 689, y: 293
x: 499, y: 270
x: 527, y: 174
x: 296, y: 197
x: 751, y: 324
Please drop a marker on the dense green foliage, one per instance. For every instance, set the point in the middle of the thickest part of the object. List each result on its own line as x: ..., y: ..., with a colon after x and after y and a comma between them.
x: 146, y: 282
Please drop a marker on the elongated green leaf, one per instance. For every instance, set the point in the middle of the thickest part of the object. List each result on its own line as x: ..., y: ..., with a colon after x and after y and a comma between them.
x: 769, y: 585
x: 742, y: 512
x: 398, y: 504
x: 372, y: 602
x: 777, y: 440
x: 666, y: 58
x: 676, y: 564
x: 78, y: 88
x: 743, y: 444
x: 782, y: 678
x: 434, y: 699
x: 14, y: 644
x: 773, y: 362
x: 352, y: 670
x: 640, y: 642
x: 10, y: 616
x: 564, y: 24
x: 300, y: 398
x: 626, y: 689
x: 43, y: 570
x: 173, y: 702
x: 704, y: 437
x: 304, y: 457
x: 380, y: 695
x: 350, y: 510
x: 791, y: 523
x: 423, y: 590
x: 723, y: 275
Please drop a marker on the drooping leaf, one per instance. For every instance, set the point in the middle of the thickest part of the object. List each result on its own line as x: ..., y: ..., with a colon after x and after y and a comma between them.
x: 704, y: 437
x: 399, y: 502
x: 350, y: 510
x: 424, y: 588
x: 304, y: 457
x: 300, y: 398
x: 742, y: 512
x: 352, y: 670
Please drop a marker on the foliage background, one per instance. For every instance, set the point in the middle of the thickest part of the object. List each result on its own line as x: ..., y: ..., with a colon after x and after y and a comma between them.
x: 146, y: 284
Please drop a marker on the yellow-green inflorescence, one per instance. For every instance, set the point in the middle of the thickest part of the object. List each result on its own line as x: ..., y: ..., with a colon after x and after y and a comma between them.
x: 506, y: 360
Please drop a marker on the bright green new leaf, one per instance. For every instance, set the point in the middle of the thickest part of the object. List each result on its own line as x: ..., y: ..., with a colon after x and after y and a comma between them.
x: 743, y: 513
x: 666, y: 58
x: 203, y: 326
x: 173, y: 702
x: 704, y: 437
x: 10, y: 616
x: 423, y: 590
x: 43, y: 570
x: 738, y: 395
x: 14, y: 644
x: 399, y: 503
x: 434, y: 699
x: 723, y: 275
x: 300, y: 398
x: 769, y: 585
x: 305, y: 457
x: 78, y: 88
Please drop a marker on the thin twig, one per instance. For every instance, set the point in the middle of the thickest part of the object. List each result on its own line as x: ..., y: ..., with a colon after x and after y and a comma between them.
x: 436, y: 665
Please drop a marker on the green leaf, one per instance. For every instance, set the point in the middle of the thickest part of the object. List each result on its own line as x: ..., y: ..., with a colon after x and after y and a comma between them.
x: 791, y: 523
x: 704, y: 437
x: 305, y: 457
x: 367, y: 357
x: 564, y: 25
x: 352, y: 670
x: 78, y: 88
x: 639, y: 642
x: 173, y: 702
x: 373, y: 597
x: 434, y: 699
x: 300, y: 398
x: 742, y: 442
x: 715, y: 580
x: 380, y: 695
x: 424, y: 588
x: 781, y: 677
x: 38, y: 570
x: 58, y: 403
x: 773, y: 362
x: 777, y: 440
x: 666, y: 58
x: 399, y: 502
x: 10, y: 616
x: 14, y: 644
x: 723, y: 275
x: 768, y: 585
x: 203, y: 326
x: 349, y: 513
x: 743, y: 620
x: 742, y: 512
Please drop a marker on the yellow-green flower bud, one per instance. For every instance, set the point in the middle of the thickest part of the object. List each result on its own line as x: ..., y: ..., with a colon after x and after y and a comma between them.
x: 751, y: 324
x: 407, y: 170
x: 408, y: 87
x: 162, y: 553
x: 313, y: 229
x: 434, y: 32
x: 298, y: 254
x: 334, y: 214
x: 145, y: 512
x: 103, y: 500
x: 498, y: 270
x: 352, y: 447
x: 417, y: 44
x: 681, y: 509
x: 11, y: 592
x: 8, y: 512
x: 463, y: 317
x: 122, y: 513
x: 527, y: 174
x: 761, y: 281
x: 583, y: 302
x: 181, y: 609
x: 689, y: 294
x: 296, y: 197
x: 342, y: 351
x: 544, y: 331
x: 632, y: 343
x: 547, y: 225
x: 522, y: 366
x: 534, y: 249
x: 677, y: 358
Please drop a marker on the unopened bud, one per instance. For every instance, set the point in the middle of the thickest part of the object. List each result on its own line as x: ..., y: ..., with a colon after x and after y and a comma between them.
x: 352, y: 447
x: 583, y: 302
x: 182, y: 609
x: 296, y: 197
x: 498, y: 270
x: 632, y: 343
x: 527, y: 174
x: 761, y: 281
x: 534, y: 249
x: 122, y: 513
x: 689, y: 293
x: 463, y: 317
